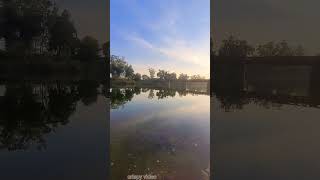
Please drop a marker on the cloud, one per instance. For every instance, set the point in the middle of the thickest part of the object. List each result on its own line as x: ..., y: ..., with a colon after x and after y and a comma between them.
x: 177, y: 50
x: 167, y: 35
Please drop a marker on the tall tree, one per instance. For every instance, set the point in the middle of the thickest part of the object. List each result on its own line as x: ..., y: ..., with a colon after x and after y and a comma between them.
x: 162, y: 74
x: 152, y: 72
x: 63, y: 35
x: 183, y: 76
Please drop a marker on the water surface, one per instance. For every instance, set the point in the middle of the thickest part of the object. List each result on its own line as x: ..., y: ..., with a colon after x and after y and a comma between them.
x: 53, y: 130
x: 162, y: 132
x: 266, y: 122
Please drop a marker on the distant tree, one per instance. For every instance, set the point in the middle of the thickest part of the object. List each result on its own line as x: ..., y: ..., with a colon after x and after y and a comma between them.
x: 162, y: 74
x: 235, y: 47
x: 152, y: 73
x: 284, y: 49
x: 171, y: 76
x: 145, y: 77
x: 89, y: 48
x: 268, y: 49
x: 197, y: 77
x: 137, y: 77
x: 279, y: 49
x: 183, y: 76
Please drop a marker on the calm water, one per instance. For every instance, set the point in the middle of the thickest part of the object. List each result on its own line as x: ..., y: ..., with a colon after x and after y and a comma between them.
x: 53, y: 130
x: 160, y: 132
x: 266, y: 123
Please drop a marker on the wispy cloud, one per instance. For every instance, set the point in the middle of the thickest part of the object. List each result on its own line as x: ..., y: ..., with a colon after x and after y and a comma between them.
x: 166, y: 35
x: 177, y: 50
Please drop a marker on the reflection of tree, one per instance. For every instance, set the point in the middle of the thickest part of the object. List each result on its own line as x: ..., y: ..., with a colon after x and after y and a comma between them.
x: 151, y: 94
x: 62, y: 102
x: 164, y: 93
x: 119, y: 97
x: 29, y: 111
x: 88, y: 91
x: 182, y: 93
x: 21, y: 119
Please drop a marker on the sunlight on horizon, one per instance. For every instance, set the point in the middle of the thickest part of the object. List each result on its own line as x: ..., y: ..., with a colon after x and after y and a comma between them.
x: 171, y: 35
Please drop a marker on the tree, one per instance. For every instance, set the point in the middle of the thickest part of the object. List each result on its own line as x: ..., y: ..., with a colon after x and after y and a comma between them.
x: 235, y: 48
x: 268, y: 49
x: 129, y: 72
x: 162, y: 74
x: 63, y: 35
x: 279, y: 49
x: 120, y: 68
x: 89, y: 48
x: 145, y: 77
x: 137, y: 77
x: 183, y: 76
x: 117, y: 66
x: 23, y: 23
x: 197, y: 77
x: 284, y: 49
x: 152, y: 73
x: 171, y: 76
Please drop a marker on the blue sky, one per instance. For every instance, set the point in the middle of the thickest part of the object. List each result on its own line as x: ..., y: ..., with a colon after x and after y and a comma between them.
x: 168, y: 34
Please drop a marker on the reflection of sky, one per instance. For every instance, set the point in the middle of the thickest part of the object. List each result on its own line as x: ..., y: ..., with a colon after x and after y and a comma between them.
x: 169, y: 34
x: 177, y: 127
x: 260, y: 143
x: 259, y: 21
x: 183, y: 108
x: 77, y: 150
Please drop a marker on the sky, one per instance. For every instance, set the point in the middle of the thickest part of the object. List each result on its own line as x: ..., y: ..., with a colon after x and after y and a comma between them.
x: 260, y: 21
x: 170, y: 34
x: 91, y: 17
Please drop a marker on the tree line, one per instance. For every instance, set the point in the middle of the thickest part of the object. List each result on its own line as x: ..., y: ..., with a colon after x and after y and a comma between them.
x: 233, y: 46
x: 39, y: 27
x: 120, y: 69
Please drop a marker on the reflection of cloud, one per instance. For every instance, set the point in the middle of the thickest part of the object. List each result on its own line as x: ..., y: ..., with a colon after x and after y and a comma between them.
x: 187, y: 108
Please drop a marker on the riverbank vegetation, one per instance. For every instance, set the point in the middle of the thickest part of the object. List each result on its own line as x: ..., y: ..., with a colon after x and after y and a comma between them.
x: 38, y: 28
x: 122, y: 72
x: 232, y: 46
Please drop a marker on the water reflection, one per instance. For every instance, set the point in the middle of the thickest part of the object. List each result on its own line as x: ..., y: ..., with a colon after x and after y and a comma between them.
x: 159, y: 131
x: 120, y: 96
x: 266, y: 83
x: 265, y: 116
x: 29, y: 111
